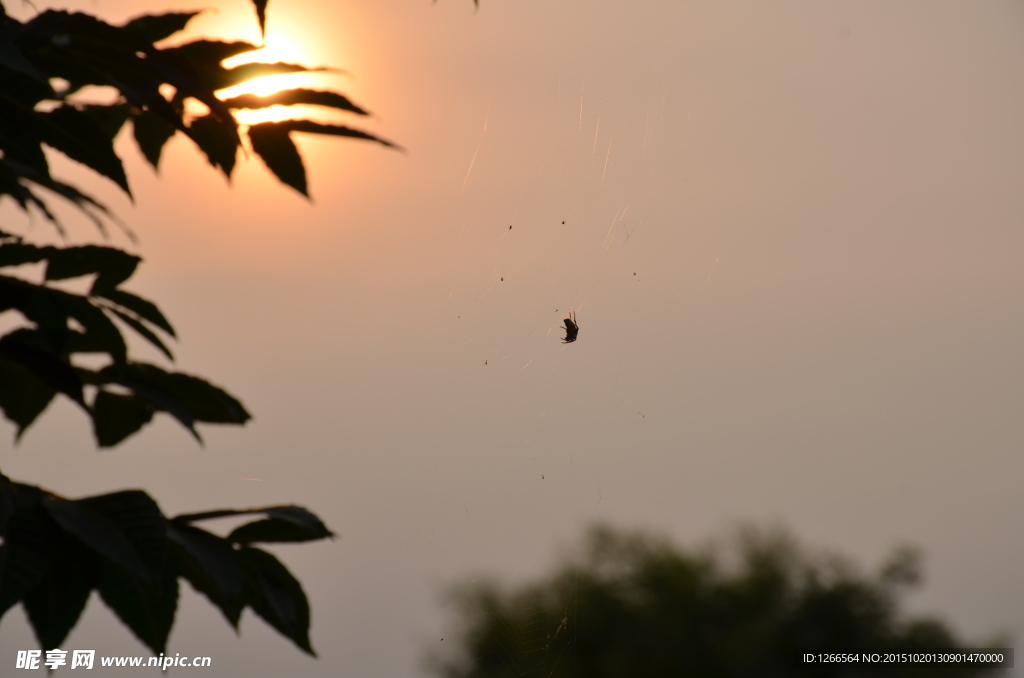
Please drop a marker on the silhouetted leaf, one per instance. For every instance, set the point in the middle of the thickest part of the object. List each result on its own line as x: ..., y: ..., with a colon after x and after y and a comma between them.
x: 147, y: 333
x: 276, y: 596
x: 81, y: 200
x: 77, y: 28
x: 7, y: 501
x: 292, y: 97
x: 23, y: 90
x: 160, y: 400
x: 12, y: 57
x: 25, y: 196
x: 189, y: 399
x: 271, y: 142
x: 310, y: 127
x: 23, y: 396
x: 139, y: 519
x: 116, y: 416
x: 53, y: 307
x: 56, y: 603
x: 143, y: 308
x: 194, y: 78
x: 19, y: 145
x: 186, y: 518
x: 111, y: 265
x: 156, y: 27
x: 19, y: 253
x: 207, y: 402
x: 147, y: 609
x: 83, y: 50
x: 142, y: 89
x: 284, y: 524
x: 109, y: 118
x: 211, y: 565
x: 10, y: 185
x: 151, y: 131
x: 37, y: 303
x: 231, y: 77
x: 302, y: 517
x: 29, y: 547
x: 270, y: 530
x: 78, y: 342
x: 97, y: 532
x: 77, y: 136
x: 261, y: 15
x: 27, y: 348
x: 51, y: 310
x: 215, y: 141
x: 204, y: 52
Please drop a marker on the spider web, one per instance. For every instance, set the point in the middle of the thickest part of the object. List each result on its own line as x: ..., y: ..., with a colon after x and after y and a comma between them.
x: 557, y: 238
x: 552, y: 227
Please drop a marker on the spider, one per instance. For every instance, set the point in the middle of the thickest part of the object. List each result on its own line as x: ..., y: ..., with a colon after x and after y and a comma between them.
x: 571, y: 329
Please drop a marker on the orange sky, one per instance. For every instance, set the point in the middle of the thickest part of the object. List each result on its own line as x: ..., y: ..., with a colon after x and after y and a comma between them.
x: 792, y: 238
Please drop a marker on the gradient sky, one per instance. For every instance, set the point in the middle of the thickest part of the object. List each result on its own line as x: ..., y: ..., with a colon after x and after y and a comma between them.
x: 793, y: 238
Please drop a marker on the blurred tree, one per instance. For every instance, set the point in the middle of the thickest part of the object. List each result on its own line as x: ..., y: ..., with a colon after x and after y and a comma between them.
x: 635, y: 606
x: 56, y: 551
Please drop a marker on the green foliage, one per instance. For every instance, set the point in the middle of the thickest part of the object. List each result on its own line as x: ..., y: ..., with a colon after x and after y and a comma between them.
x: 636, y: 606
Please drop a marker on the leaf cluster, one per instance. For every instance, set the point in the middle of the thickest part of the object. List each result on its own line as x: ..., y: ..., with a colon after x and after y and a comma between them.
x: 56, y: 551
x: 38, y: 361
x: 48, y: 60
x: 638, y: 606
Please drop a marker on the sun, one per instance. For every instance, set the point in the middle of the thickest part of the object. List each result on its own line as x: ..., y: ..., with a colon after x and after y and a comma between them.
x: 280, y: 50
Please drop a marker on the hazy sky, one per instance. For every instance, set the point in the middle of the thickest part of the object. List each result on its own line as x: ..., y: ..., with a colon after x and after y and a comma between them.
x: 792, y: 237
